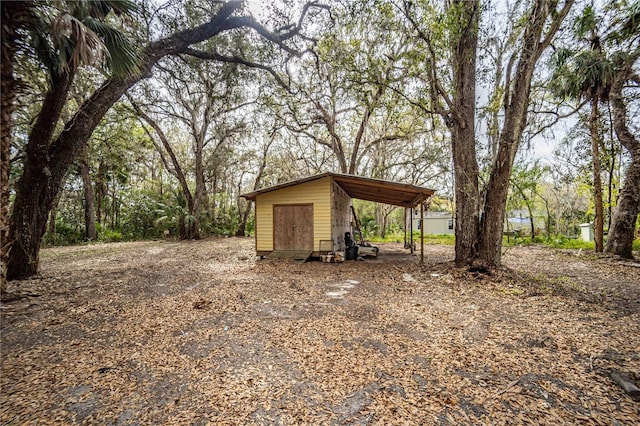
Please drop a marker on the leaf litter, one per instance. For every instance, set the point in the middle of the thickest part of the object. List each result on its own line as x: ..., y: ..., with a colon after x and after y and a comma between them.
x: 200, y: 332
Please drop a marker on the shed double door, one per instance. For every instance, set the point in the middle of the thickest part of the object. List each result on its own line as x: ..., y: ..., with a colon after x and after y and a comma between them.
x: 293, y: 227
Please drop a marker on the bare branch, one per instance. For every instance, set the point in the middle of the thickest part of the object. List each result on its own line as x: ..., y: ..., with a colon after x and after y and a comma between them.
x: 558, y: 19
x: 557, y: 118
x: 427, y: 39
x: 507, y: 84
x: 313, y: 4
x: 279, y: 39
x: 159, y: 150
x: 179, y: 174
x: 237, y: 60
x: 437, y: 111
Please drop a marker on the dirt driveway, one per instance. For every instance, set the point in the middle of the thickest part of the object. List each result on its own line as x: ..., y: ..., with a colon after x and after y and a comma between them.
x: 201, y: 333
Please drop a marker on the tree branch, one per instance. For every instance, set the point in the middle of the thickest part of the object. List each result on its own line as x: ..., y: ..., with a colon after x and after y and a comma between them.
x: 276, y: 38
x: 558, y: 19
x: 167, y: 146
x: 427, y: 39
x: 238, y: 60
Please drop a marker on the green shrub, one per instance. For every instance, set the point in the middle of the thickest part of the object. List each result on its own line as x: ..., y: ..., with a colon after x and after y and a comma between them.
x: 560, y: 241
x: 65, y: 235
x: 140, y: 217
x: 109, y: 236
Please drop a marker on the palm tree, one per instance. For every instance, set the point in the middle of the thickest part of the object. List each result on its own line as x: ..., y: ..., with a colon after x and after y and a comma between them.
x: 63, y: 36
x: 586, y: 73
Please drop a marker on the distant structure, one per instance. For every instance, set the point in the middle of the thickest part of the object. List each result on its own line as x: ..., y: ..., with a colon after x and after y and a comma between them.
x: 434, y: 222
x: 586, y: 232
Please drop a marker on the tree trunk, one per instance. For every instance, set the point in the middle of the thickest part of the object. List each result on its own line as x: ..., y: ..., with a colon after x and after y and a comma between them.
x: 597, y: 176
x: 44, y: 170
x: 182, y: 230
x: 53, y: 214
x: 612, y: 168
x: 355, y: 154
x: 200, y: 185
x: 242, y: 229
x: 114, y: 206
x: 48, y: 161
x: 462, y: 125
x: 532, y: 225
x: 8, y: 93
x: 188, y: 227
x: 549, y: 219
x: 516, y: 105
x: 527, y: 202
x: 89, y: 212
x: 610, y: 179
x: 244, y: 209
x: 52, y: 225
x: 383, y: 226
x: 35, y: 193
x: 621, y: 233
x: 193, y: 225
x: 244, y: 217
x: 101, y: 192
x: 37, y: 188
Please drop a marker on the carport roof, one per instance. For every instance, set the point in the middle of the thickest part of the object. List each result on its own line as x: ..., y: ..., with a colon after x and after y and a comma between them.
x: 378, y: 190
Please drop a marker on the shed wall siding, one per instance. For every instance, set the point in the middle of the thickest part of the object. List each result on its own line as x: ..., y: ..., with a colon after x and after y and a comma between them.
x: 316, y: 192
x: 340, y: 216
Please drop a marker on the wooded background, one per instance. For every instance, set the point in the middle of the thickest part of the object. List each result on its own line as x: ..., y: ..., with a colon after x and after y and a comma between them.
x: 126, y: 120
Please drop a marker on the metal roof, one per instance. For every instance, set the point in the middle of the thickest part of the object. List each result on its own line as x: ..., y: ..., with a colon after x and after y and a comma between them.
x: 363, y: 188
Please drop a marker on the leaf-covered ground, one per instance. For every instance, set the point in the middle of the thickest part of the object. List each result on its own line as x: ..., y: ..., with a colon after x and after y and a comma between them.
x: 201, y: 333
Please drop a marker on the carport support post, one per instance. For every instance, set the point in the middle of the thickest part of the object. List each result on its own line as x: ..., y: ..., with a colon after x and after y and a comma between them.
x: 404, y: 227
x: 421, y: 232
x: 411, y: 230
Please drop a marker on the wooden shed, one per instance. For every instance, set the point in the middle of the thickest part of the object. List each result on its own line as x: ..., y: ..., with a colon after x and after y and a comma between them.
x: 311, y: 215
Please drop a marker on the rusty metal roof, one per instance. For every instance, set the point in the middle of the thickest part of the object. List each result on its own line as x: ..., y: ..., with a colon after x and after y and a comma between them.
x: 363, y: 188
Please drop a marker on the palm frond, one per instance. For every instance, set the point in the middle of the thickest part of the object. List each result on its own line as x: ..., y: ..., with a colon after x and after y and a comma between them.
x: 122, y: 7
x: 41, y: 42
x: 629, y: 24
x: 101, y: 8
x: 124, y: 57
x: 561, y: 55
x: 586, y: 22
x: 78, y: 45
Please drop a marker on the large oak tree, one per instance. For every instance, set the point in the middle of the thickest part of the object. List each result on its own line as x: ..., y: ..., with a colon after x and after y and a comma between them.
x: 480, y: 213
x: 49, y: 154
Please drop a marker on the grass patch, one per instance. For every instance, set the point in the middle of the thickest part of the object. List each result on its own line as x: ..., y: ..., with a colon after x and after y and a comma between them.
x: 510, y: 290
x: 557, y: 241
x: 553, y: 241
x: 443, y: 239
x: 440, y: 239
